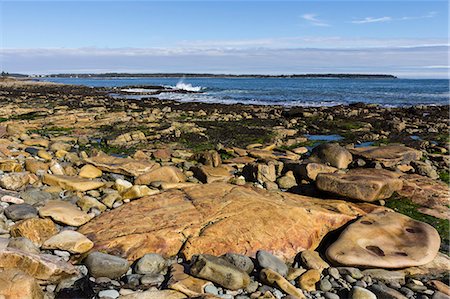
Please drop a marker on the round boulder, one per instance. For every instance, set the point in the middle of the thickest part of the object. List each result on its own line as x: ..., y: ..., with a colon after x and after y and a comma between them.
x: 385, y: 239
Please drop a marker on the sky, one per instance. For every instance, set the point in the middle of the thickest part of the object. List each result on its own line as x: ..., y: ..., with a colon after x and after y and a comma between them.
x: 404, y: 38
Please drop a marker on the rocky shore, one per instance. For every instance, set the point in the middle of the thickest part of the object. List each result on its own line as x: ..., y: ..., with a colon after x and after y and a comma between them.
x: 107, y: 197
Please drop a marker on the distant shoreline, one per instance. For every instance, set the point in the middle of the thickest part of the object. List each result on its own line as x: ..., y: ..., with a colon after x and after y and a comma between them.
x: 206, y: 75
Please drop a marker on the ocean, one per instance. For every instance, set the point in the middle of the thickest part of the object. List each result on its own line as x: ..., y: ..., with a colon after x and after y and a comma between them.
x: 289, y: 91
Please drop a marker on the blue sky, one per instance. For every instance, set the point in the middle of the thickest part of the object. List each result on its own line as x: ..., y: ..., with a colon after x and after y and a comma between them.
x: 406, y: 38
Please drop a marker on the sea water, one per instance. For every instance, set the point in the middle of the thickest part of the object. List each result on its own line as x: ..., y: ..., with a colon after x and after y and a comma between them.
x: 289, y: 91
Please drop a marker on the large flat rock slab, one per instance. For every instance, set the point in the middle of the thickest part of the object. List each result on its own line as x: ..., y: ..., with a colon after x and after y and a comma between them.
x: 362, y: 184
x: 218, y: 218
x: 385, y: 239
x: 389, y: 155
x: 125, y: 166
x: 431, y: 195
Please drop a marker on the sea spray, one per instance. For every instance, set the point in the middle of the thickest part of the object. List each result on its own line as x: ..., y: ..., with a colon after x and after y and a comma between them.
x: 187, y: 86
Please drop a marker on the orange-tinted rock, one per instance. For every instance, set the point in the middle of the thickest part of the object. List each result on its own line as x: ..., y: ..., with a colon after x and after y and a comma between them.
x: 362, y: 184
x: 388, y: 155
x: 36, y: 229
x: 64, y: 212
x: 233, y: 218
x: 17, y: 284
x: 126, y: 166
x: 43, y: 267
x: 168, y: 174
x: 71, y: 183
x: 185, y: 283
x: 209, y: 174
x: 385, y: 239
x: 431, y: 195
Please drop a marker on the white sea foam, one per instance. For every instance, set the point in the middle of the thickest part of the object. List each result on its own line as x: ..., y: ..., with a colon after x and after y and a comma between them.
x: 186, y: 86
x: 138, y: 90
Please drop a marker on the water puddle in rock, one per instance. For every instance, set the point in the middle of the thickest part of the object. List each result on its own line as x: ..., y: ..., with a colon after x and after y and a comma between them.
x: 326, y: 138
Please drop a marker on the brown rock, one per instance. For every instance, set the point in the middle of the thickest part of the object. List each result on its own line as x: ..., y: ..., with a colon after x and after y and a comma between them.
x: 90, y: 172
x: 437, y: 267
x: 15, y: 284
x: 208, y: 158
x: 169, y: 174
x: 390, y: 155
x: 37, y: 142
x: 36, y: 229
x: 35, y: 166
x: 16, y: 180
x: 220, y: 271
x: 332, y: 154
x: 219, y: 214
x: 138, y: 191
x: 209, y: 174
x: 10, y: 165
x: 430, y: 194
x: 185, y: 283
x: 312, y: 260
x: 126, y: 166
x: 44, y: 267
x: 273, y: 278
x: 68, y: 240
x: 307, y: 281
x: 385, y: 239
x: 310, y: 171
x: 71, y: 183
x: 155, y: 294
x: 64, y: 212
x: 259, y: 172
x: 440, y: 286
x: 362, y: 184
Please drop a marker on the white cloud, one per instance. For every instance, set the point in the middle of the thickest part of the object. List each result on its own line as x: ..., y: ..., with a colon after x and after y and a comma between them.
x: 313, y: 20
x: 408, y: 61
x: 367, y: 20
x: 372, y: 20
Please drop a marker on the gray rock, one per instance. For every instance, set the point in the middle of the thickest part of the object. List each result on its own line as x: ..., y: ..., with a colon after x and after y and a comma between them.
x: 34, y: 196
x: 361, y: 284
x: 108, y: 294
x: 20, y: 212
x: 353, y: 272
x: 415, y: 287
x: 425, y: 169
x: 349, y: 279
x: 330, y: 295
x: 152, y: 279
x: 361, y: 293
x: 386, y: 276
x: 151, y: 263
x: 133, y: 280
x: 384, y: 292
x: 242, y: 262
x: 333, y: 272
x: 267, y: 260
x: 332, y: 154
x: 211, y: 289
x: 394, y: 285
x: 407, y: 292
x: 220, y: 271
x: 325, y: 285
x: 252, y: 287
x: 105, y: 265
x: 439, y: 295
x: 23, y: 244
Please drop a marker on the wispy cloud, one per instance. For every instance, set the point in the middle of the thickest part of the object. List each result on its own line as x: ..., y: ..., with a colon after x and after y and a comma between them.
x: 313, y: 20
x: 372, y: 20
x: 367, y: 20
x: 407, y: 61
